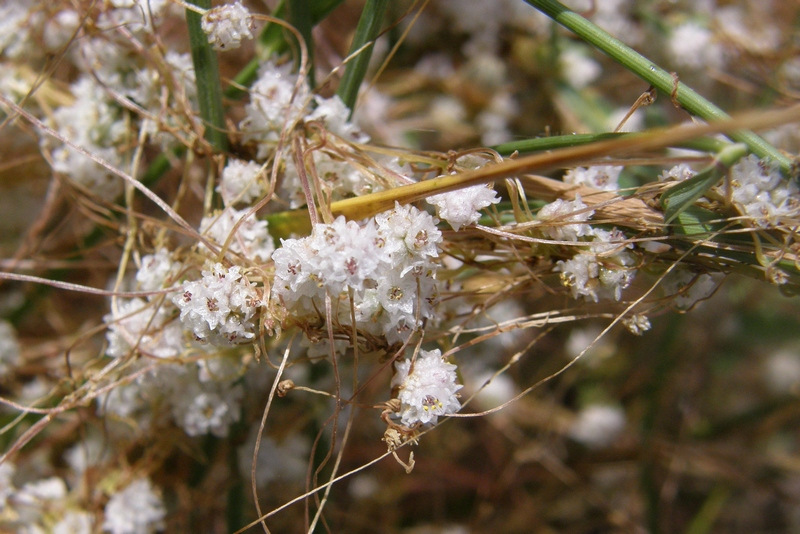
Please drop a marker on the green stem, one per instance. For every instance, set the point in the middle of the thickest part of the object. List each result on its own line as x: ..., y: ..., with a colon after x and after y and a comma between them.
x: 368, y: 29
x: 655, y: 76
x: 209, y: 89
x: 539, y: 144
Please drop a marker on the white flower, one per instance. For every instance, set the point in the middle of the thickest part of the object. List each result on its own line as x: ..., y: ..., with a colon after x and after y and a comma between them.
x: 157, y: 271
x: 7, y: 489
x: 137, y: 323
x: 692, y: 45
x: 74, y: 523
x: 762, y: 194
x: 598, y: 426
x: 578, y: 69
x: 602, y: 177
x: 9, y: 348
x: 565, y: 219
x: 241, y: 182
x: 207, y: 408
x: 137, y: 509
x: 679, y: 173
x: 220, y: 308
x: 601, y: 272
x: 462, y: 207
x: 689, y: 288
x: 336, y: 117
x: 226, y: 26
x: 388, y: 263
x: 252, y: 239
x: 273, y: 106
x: 428, y: 390
x: 286, y: 460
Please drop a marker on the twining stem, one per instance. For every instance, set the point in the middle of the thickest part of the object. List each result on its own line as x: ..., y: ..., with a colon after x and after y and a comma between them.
x: 368, y: 29
x: 655, y: 76
x: 209, y: 88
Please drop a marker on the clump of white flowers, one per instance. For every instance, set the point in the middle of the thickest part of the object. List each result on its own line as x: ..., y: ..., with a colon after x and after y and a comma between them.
x: 9, y: 348
x: 602, y: 177
x: 137, y: 509
x: 241, y: 182
x: 762, y: 194
x: 463, y: 207
x: 598, y: 426
x: 251, y: 240
x: 221, y: 308
x: 227, y: 26
x: 427, y: 388
x: 566, y: 219
x: 388, y: 263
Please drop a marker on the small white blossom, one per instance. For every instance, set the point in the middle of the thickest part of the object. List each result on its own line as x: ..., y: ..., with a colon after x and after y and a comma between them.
x: 74, y: 523
x: 761, y: 193
x: 220, y: 308
x: 9, y: 348
x: 689, y: 288
x: 578, y: 69
x: 638, y: 324
x: 286, y: 460
x: 137, y: 323
x: 252, y: 239
x: 462, y: 207
x: 679, y: 173
x: 241, y: 182
x: 598, y: 426
x: 336, y: 117
x: 565, y: 219
x: 602, y: 177
x: 274, y: 104
x: 157, y: 271
x: 137, y: 509
x: 427, y: 391
x: 208, y: 408
x: 227, y: 26
x: 601, y: 272
x: 692, y: 45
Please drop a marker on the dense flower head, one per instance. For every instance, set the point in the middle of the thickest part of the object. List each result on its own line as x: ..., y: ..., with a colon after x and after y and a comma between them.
x: 565, y: 219
x: 240, y: 182
x: 463, y: 207
x: 220, y: 308
x: 388, y: 263
x: 252, y: 239
x: 427, y: 388
x: 137, y: 323
x: 137, y: 509
x: 602, y: 271
x: 602, y: 177
x: 227, y: 26
x: 762, y: 194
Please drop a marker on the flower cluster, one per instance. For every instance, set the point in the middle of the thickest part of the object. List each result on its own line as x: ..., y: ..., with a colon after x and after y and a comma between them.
x: 427, y: 388
x: 601, y: 177
x: 227, y: 26
x: 251, y: 240
x: 388, y: 264
x: 463, y: 207
x: 221, y: 308
x: 762, y: 194
x: 602, y: 267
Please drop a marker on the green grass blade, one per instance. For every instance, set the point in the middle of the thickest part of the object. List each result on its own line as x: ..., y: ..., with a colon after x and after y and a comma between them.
x: 368, y: 29
x: 209, y: 88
